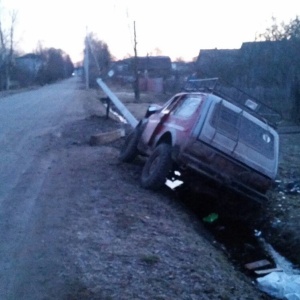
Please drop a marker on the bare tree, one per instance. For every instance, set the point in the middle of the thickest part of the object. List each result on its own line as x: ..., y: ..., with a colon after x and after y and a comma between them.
x: 288, y: 65
x: 282, y: 31
x: 99, y: 58
x: 7, y: 49
x: 3, y: 56
x: 136, y: 86
x: 56, y: 65
x: 275, y: 32
x: 157, y: 51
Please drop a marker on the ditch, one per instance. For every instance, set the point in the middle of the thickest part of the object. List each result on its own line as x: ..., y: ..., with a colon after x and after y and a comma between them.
x: 243, y: 241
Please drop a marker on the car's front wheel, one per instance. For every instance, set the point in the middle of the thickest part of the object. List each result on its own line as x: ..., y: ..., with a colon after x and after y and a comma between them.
x: 157, y: 167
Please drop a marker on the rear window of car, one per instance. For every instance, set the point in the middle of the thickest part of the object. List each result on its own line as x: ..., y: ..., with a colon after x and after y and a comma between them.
x: 237, y: 127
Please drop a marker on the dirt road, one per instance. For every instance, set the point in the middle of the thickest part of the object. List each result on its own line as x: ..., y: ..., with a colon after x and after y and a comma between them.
x: 74, y: 224
x: 29, y: 218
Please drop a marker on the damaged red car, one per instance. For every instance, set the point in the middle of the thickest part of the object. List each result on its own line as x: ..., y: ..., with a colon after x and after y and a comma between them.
x: 210, y: 135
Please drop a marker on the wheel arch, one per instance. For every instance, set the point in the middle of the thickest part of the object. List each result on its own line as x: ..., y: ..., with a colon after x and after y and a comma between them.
x: 165, y: 138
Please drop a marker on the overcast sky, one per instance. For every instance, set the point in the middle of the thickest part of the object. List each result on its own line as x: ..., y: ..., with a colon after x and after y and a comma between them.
x: 176, y: 28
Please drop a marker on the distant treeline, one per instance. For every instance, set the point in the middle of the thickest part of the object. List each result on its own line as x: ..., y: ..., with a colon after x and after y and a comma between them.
x: 45, y: 66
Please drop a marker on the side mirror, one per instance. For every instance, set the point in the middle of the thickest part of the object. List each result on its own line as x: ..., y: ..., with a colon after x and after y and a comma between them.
x: 152, y: 109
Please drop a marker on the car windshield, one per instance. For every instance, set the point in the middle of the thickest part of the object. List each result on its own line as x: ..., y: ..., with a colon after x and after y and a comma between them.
x: 187, y: 106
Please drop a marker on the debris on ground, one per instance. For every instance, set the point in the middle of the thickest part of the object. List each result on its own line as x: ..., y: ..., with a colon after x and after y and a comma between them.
x: 281, y: 285
x: 106, y: 137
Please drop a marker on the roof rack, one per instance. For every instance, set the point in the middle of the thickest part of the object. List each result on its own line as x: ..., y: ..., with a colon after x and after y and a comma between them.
x: 236, y: 96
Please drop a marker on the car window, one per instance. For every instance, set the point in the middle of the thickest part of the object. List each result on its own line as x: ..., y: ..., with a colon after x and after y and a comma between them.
x: 171, y: 104
x: 226, y: 121
x: 187, y: 107
x: 239, y: 128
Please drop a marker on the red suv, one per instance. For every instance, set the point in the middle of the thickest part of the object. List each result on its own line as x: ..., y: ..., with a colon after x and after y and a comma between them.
x: 208, y: 137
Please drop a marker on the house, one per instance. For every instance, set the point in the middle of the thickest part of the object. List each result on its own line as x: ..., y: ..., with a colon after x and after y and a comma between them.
x: 183, y: 67
x: 264, y: 63
x: 29, y: 64
x: 268, y: 70
x: 211, y: 61
x: 153, y: 66
x: 152, y: 71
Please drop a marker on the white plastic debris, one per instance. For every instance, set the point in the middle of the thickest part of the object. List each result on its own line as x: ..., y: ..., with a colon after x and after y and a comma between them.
x: 281, y: 285
x: 257, y: 233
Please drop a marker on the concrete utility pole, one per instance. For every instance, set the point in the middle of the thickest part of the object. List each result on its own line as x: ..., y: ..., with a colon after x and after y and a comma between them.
x: 136, y: 73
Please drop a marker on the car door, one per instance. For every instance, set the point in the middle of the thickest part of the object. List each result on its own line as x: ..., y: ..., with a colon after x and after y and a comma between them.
x: 155, y: 121
x: 177, y: 118
x: 183, y: 117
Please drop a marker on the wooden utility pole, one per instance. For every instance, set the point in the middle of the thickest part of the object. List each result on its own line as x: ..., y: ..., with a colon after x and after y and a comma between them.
x: 86, y: 64
x: 136, y: 86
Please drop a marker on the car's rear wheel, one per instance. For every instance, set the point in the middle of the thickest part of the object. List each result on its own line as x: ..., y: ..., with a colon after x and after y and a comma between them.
x: 129, y: 150
x: 157, y: 167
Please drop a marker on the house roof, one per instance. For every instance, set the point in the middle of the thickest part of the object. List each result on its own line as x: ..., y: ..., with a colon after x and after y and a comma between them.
x: 151, y: 62
x: 207, y: 55
x: 30, y: 56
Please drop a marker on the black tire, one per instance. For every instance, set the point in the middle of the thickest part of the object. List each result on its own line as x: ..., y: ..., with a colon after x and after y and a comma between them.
x: 129, y: 150
x: 157, y: 167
